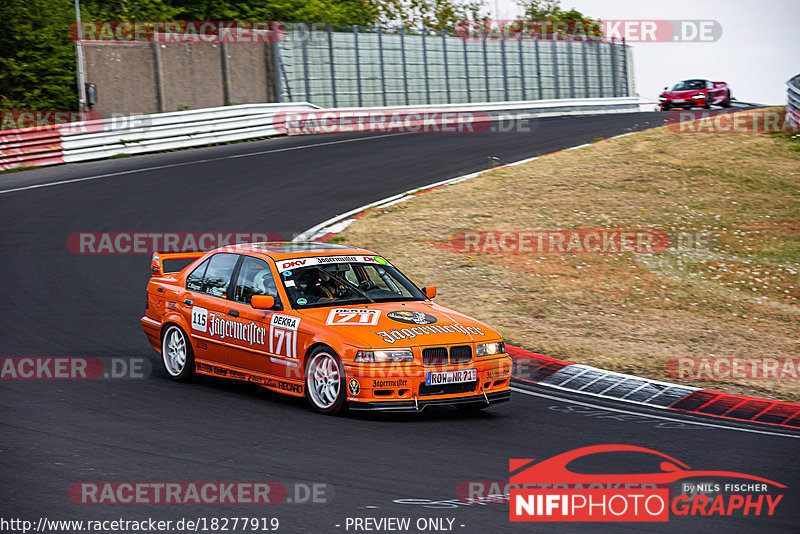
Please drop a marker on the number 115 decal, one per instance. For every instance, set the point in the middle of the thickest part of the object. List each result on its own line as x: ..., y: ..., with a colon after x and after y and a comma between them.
x: 283, y: 335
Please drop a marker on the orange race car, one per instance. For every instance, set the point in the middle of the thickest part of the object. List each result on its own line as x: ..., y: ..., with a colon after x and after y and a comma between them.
x: 336, y: 324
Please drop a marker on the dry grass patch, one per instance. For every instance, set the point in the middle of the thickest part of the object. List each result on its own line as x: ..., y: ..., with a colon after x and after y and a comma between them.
x: 735, y: 293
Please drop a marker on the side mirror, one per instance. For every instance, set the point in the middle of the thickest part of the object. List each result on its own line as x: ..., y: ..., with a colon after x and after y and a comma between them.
x: 262, y: 302
x: 665, y: 88
x: 430, y: 291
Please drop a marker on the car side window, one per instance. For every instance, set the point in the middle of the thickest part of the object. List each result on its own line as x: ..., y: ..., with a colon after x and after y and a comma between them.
x: 194, y: 281
x: 255, y: 278
x: 218, y: 274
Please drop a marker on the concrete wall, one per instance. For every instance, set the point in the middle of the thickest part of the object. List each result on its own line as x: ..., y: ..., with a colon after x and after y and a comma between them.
x: 154, y: 77
x: 125, y: 78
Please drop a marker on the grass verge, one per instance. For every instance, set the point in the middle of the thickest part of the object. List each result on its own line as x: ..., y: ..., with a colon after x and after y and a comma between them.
x: 734, y: 293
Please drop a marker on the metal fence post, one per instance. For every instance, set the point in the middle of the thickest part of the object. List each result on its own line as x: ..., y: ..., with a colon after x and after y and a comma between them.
x: 358, y: 65
x: 226, y: 72
x: 614, y: 66
x: 446, y: 68
x: 600, y: 68
x: 486, y: 69
x: 555, y: 68
x: 538, y: 66
x: 505, y: 67
x: 306, y: 37
x: 466, y: 70
x: 158, y: 75
x: 276, y: 68
x: 584, y: 44
x: 425, y: 66
x: 333, y: 69
x: 383, y: 72
x: 521, y: 68
x: 571, y: 70
x: 403, y: 54
x: 625, y: 68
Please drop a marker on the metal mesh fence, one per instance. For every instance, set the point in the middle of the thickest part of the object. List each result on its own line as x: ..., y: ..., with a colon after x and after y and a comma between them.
x: 359, y: 66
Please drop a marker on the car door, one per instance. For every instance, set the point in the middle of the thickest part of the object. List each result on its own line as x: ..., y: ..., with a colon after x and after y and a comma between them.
x: 713, y: 91
x: 206, y: 305
x: 263, y: 347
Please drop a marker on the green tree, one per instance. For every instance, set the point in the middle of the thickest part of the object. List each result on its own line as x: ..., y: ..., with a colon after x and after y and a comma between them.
x: 37, y: 67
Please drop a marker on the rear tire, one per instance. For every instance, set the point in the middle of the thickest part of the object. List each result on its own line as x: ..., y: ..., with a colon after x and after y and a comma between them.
x: 727, y: 102
x: 177, y: 354
x: 325, y: 382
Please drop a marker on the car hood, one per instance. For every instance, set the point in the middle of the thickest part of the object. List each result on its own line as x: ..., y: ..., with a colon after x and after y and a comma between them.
x: 401, y: 324
x: 681, y: 94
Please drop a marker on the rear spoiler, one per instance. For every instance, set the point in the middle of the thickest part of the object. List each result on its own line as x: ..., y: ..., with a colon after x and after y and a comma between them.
x: 717, y: 84
x: 157, y: 264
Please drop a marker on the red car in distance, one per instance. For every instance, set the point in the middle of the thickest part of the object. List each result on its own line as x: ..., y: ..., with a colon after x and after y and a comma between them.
x: 695, y: 93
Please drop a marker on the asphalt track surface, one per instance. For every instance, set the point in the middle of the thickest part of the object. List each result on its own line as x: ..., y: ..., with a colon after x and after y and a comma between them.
x: 56, y: 433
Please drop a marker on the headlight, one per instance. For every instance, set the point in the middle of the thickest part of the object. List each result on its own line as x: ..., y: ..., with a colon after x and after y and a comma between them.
x: 383, y: 356
x: 662, y: 97
x: 698, y: 97
x: 488, y: 349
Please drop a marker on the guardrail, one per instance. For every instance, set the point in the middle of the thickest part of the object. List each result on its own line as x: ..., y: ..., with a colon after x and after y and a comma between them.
x: 139, y: 134
x: 793, y: 101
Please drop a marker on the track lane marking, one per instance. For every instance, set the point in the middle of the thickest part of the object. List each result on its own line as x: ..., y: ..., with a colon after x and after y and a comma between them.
x: 172, y: 165
x: 688, y: 421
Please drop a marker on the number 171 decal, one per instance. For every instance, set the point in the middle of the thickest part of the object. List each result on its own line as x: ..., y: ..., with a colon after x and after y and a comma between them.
x: 356, y: 316
x: 283, y: 335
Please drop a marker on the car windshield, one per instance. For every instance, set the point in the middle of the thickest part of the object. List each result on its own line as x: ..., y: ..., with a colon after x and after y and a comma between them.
x: 688, y: 85
x: 335, y: 284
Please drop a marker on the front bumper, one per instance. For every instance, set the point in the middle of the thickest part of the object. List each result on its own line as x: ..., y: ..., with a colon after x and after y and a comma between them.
x: 404, y: 387
x: 687, y: 103
x: 417, y: 405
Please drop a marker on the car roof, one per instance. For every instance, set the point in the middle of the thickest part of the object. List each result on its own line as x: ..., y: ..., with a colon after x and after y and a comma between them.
x: 283, y: 250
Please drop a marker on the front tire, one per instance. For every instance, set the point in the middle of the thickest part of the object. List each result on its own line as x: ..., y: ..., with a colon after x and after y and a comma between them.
x: 176, y: 354
x: 325, y: 381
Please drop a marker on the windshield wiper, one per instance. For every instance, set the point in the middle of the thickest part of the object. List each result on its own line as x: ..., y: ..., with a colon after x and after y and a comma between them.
x: 345, y: 282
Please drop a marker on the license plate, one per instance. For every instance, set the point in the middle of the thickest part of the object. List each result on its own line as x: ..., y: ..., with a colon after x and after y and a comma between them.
x: 434, y: 378
x: 679, y: 100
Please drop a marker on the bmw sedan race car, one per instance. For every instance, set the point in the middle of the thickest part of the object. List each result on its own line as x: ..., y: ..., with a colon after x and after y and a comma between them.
x: 336, y: 324
x: 695, y: 93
